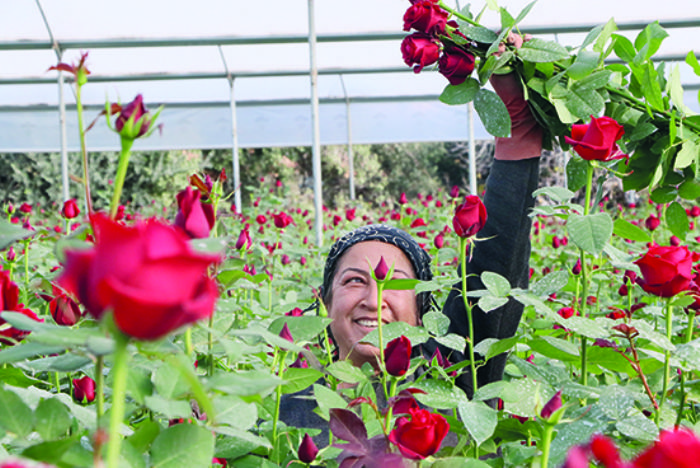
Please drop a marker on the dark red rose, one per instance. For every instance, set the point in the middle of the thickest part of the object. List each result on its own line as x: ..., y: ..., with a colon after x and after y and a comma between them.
x: 652, y: 222
x: 605, y: 451
x: 307, y: 450
x: 282, y: 220
x: 70, y: 209
x: 25, y: 208
x: 551, y: 406
x: 469, y: 217
x: 456, y: 64
x: 84, y: 389
x: 64, y: 310
x: 420, y: 434
x: 397, y: 356
x: 576, y: 270
x: 454, y: 192
x: 9, y: 301
x: 286, y: 334
x: 243, y: 240
x: 597, y: 140
x: 194, y: 217
x: 439, y: 241
x: 420, y: 50
x: 260, y: 219
x: 677, y: 449
x: 425, y: 16
x: 666, y: 270
x: 133, y: 120
x: 147, y: 274
x: 381, y: 270
x: 350, y: 214
x: 78, y: 70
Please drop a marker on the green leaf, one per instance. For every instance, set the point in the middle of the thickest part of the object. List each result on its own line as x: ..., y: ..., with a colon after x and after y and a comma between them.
x: 638, y: 427
x: 401, y: 284
x: 583, y: 101
x: 478, y: 33
x: 664, y: 195
x: 52, y: 451
x: 304, y: 328
x: 169, y: 381
x: 461, y: 93
x: 10, y: 233
x: 16, y: 378
x: 651, y: 89
x: 393, y: 330
x: 492, y: 112
x: 558, y: 194
x: 576, y: 170
x: 675, y: 91
x: 52, y: 419
x: 552, y: 282
x: 15, y: 415
x: 590, y: 232
x: 609, y: 28
x: 491, y: 347
x: 210, y: 245
x: 183, y: 446
x: 692, y: 60
x: 648, y: 41
x: 452, y: 341
x: 296, y: 380
x: 327, y: 399
x: 144, y: 434
x: 439, y: 394
x: 555, y: 348
x: 235, y: 412
x: 479, y: 419
x: 489, y: 303
x: 171, y: 409
x: 689, y: 190
x: 436, y: 323
x: 245, y: 383
x: 586, y: 62
x: 627, y: 230
x: 495, y: 283
x: 346, y: 372
x: 687, y: 155
x: 677, y: 220
x: 624, y: 48
x: 540, y: 50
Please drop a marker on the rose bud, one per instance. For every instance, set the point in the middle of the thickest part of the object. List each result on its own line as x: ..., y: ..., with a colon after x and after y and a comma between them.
x: 286, y: 334
x: 456, y: 64
x: 576, y: 270
x: 133, y: 120
x: 420, y: 50
x: 194, y: 217
x: 84, y: 389
x: 397, y: 356
x: 260, y: 219
x: 469, y: 217
x: 350, y: 214
x: 243, y: 240
x: 420, y: 434
x: 307, y: 450
x: 70, y: 209
x: 286, y: 260
x: 597, y: 140
x: 454, y: 193
x: 439, y: 241
x: 675, y: 241
x: 64, y: 310
x: 551, y: 406
x: 11, y: 255
x: 652, y: 222
x: 381, y: 270
x: 25, y: 208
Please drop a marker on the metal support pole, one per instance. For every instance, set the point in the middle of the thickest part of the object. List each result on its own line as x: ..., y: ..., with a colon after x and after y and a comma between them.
x: 234, y: 152
x: 472, y: 150
x: 64, y: 139
x: 315, y: 129
x: 351, y: 163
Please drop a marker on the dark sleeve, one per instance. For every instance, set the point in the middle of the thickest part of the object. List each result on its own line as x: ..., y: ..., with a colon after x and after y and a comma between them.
x: 508, y: 201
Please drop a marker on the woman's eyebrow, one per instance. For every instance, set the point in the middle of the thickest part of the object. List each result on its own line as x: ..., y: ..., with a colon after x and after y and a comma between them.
x: 354, y: 270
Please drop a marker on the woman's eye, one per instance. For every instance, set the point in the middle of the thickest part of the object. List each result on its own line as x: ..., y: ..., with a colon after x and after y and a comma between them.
x: 355, y: 279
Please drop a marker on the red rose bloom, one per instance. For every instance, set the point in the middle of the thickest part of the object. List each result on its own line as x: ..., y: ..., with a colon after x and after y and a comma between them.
x: 666, y: 270
x: 194, y: 217
x: 425, y: 16
x: 84, y: 389
x: 456, y: 64
x: 146, y: 274
x: 397, y: 356
x: 9, y: 301
x: 70, y: 209
x: 677, y: 449
x: 420, y: 50
x: 596, y: 141
x: 282, y: 220
x: 135, y: 112
x: 420, y: 434
x: 469, y: 217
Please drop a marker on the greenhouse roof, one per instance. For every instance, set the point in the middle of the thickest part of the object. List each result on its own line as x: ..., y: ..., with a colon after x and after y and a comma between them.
x: 182, y: 54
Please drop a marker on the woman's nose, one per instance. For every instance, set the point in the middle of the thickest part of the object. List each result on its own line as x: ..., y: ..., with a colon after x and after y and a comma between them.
x: 370, y: 299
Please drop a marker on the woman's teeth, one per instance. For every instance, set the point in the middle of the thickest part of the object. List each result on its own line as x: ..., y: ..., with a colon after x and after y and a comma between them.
x: 368, y: 323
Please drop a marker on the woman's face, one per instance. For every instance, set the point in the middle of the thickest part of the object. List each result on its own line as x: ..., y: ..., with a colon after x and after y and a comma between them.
x: 353, y: 305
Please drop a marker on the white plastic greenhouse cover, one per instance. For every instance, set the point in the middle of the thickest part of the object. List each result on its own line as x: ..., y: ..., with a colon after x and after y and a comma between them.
x: 390, y: 106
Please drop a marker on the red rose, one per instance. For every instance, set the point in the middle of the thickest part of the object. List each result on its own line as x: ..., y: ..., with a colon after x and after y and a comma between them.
x: 194, y: 217
x: 9, y: 301
x: 282, y: 220
x: 652, y: 222
x: 25, y: 208
x: 420, y: 434
x: 243, y: 240
x: 551, y: 406
x: 84, y: 389
x: 397, y: 356
x: 64, y: 310
x: 596, y: 141
x: 133, y: 120
x: 605, y: 451
x: 456, y: 64
x: 307, y: 450
x: 469, y: 217
x: 70, y: 209
x: 146, y: 274
x: 420, y: 50
x: 425, y: 16
x: 666, y: 270
x: 677, y: 449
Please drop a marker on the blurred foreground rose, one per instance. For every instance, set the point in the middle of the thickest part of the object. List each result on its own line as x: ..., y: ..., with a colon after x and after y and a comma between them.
x: 596, y: 141
x: 420, y: 434
x: 194, y: 217
x: 469, y: 217
x: 666, y: 270
x: 9, y: 301
x: 146, y: 274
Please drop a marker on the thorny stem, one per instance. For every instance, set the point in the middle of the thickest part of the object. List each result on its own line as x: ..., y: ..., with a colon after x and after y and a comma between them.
x: 638, y: 369
x: 463, y: 245
x: 458, y: 14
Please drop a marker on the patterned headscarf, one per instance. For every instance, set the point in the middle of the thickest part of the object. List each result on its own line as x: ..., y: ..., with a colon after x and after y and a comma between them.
x: 419, y: 258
